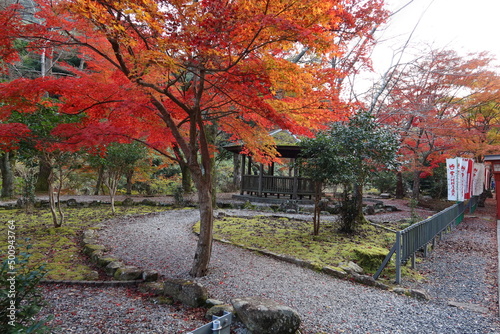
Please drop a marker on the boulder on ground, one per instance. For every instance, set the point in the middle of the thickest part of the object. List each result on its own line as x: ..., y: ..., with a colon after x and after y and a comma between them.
x: 370, y: 257
x: 187, y: 292
x: 88, y: 249
x: 128, y: 202
x: 150, y: 275
x: 72, y: 202
x: 128, y: 273
x: 111, y: 268
x: 265, y: 316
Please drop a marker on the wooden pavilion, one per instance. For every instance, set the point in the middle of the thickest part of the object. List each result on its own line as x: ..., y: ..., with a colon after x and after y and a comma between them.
x: 260, y: 182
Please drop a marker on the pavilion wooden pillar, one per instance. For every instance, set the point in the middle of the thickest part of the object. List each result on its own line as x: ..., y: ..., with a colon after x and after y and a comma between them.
x: 237, y: 173
x: 242, y: 174
x: 261, y: 179
x: 295, y: 183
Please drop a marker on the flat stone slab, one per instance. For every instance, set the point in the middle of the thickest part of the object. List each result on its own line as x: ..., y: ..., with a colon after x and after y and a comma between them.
x: 469, y: 306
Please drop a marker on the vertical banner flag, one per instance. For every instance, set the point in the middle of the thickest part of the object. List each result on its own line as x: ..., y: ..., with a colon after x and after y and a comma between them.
x: 478, y: 179
x: 466, y: 171
x: 460, y: 180
x: 465, y: 178
x: 452, y: 177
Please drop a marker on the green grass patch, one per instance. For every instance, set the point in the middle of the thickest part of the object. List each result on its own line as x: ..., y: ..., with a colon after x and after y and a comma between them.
x: 294, y: 238
x: 59, y: 248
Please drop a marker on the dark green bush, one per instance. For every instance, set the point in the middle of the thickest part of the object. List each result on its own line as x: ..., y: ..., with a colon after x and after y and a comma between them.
x: 20, y: 298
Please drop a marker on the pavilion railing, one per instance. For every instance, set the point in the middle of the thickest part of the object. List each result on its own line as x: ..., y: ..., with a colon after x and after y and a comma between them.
x: 262, y: 185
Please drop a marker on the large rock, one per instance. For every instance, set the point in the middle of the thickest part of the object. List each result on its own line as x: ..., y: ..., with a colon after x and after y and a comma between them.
x: 111, y: 268
x: 127, y: 273
x: 265, y: 316
x: 88, y: 249
x: 187, y: 292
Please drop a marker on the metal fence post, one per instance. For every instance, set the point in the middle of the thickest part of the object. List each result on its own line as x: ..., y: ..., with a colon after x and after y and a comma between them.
x: 219, y: 325
x: 398, y: 257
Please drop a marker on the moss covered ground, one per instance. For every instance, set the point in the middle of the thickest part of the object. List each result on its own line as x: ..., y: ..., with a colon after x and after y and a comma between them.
x: 59, y: 249
x: 294, y: 238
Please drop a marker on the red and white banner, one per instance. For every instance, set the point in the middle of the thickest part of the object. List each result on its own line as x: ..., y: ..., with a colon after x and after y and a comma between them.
x: 478, y: 179
x: 466, y: 171
x: 452, y: 172
x: 465, y: 178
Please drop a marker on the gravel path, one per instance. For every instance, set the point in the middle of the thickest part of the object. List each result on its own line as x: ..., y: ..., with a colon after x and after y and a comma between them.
x: 327, y: 305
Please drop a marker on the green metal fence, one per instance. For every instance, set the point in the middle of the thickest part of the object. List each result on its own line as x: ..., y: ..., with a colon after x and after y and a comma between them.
x: 417, y: 236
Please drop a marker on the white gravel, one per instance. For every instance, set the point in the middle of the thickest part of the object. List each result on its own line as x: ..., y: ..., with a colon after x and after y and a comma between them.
x: 164, y: 242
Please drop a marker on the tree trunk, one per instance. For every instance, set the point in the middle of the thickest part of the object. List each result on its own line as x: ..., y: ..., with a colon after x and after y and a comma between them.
x: 186, y: 179
x: 112, y: 184
x: 7, y: 175
x: 42, y: 183
x: 52, y: 201
x: 100, y: 177
x: 204, y: 246
x: 358, y: 195
x: 416, y: 185
x: 400, y: 190
x: 59, y: 188
x: 129, y: 176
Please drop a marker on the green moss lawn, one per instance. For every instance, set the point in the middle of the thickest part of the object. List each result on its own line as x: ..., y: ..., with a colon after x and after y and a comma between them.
x: 59, y: 249
x: 293, y: 237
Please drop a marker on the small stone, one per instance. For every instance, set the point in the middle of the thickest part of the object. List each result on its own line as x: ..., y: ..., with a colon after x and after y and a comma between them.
x: 213, y: 302
x: 351, y: 267
x: 92, y: 276
x: 419, y: 294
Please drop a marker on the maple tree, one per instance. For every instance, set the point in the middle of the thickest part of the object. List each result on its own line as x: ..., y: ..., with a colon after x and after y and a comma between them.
x: 164, y: 72
x: 423, y: 104
x: 480, y: 117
